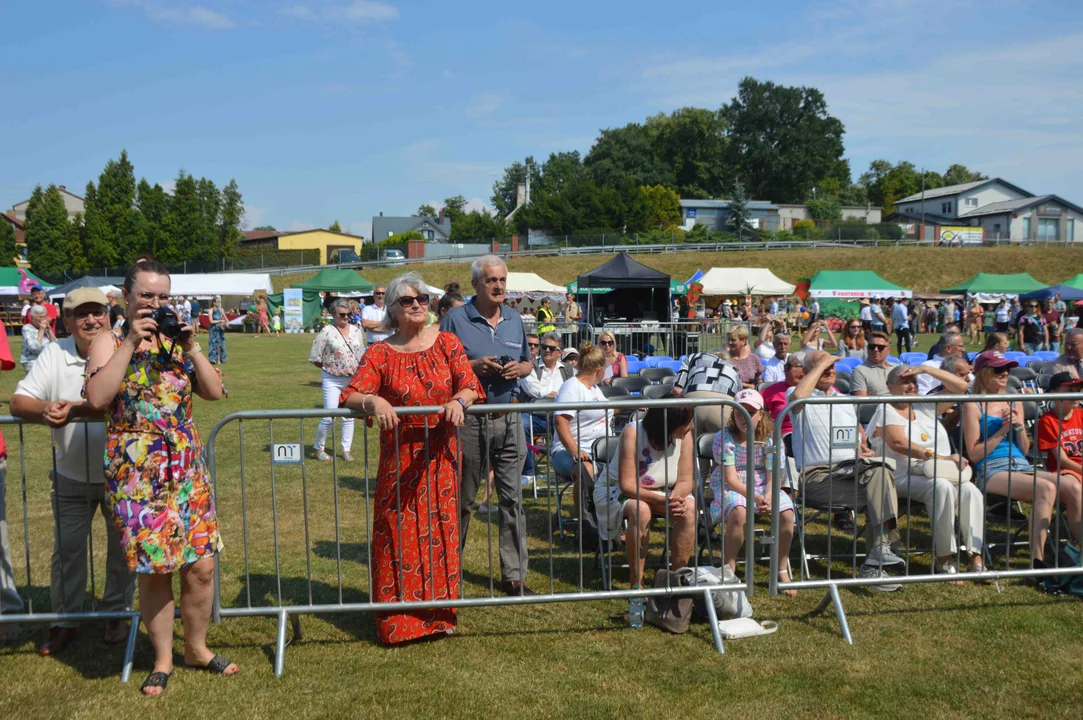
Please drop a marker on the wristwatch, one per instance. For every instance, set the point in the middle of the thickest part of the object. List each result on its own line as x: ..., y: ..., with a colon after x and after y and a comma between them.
x: 461, y: 402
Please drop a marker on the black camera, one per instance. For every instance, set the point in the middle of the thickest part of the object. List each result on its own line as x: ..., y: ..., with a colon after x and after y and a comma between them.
x: 505, y: 359
x: 168, y: 324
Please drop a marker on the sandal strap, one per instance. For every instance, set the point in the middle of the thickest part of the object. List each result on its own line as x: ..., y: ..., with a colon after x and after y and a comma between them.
x: 156, y: 679
x: 218, y: 664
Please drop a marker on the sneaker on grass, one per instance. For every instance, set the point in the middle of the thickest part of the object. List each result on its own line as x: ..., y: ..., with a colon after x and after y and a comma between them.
x: 881, y: 555
x: 870, y: 572
x: 527, y: 481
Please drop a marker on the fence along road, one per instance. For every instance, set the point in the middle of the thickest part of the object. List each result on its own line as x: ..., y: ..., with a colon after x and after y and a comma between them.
x: 562, y: 587
x: 832, y: 584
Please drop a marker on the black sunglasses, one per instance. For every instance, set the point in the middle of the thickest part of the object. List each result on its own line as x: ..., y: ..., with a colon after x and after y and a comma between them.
x: 530, y: 344
x: 878, y: 347
x: 1001, y: 370
x: 378, y: 293
x: 606, y: 342
x: 550, y: 348
x: 408, y: 300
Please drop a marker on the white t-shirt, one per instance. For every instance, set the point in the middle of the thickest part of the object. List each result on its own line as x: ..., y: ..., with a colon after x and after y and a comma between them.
x: 774, y: 370
x: 1003, y: 313
x: 927, y: 383
x: 371, y: 312
x: 58, y: 375
x: 866, y: 313
x: 925, y: 432
x: 590, y: 424
x: 815, y: 442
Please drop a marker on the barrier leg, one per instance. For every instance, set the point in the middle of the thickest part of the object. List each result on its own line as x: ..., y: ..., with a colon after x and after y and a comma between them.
x: 712, y: 619
x: 129, y: 650
x: 840, y: 613
x: 280, y: 644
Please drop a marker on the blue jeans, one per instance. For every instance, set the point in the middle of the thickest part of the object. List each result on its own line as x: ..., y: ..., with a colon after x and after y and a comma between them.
x: 541, y: 426
x: 1054, y: 347
x: 1032, y: 348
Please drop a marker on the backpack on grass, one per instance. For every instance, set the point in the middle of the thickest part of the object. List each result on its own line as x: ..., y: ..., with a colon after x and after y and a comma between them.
x: 1067, y: 556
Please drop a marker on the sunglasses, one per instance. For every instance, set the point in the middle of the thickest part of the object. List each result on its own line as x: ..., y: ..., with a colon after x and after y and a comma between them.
x: 378, y: 293
x: 606, y: 342
x: 878, y: 348
x: 408, y: 300
x: 530, y: 344
x: 1001, y: 371
x: 342, y: 314
x: 550, y: 348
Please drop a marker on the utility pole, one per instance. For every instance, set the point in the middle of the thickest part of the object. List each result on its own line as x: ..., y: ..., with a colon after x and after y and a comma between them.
x: 922, y: 234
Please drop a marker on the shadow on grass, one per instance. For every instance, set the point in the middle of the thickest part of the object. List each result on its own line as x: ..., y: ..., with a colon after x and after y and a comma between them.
x: 350, y: 551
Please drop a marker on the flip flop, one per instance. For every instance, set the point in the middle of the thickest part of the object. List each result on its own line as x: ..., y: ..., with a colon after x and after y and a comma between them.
x: 218, y: 665
x: 155, y: 679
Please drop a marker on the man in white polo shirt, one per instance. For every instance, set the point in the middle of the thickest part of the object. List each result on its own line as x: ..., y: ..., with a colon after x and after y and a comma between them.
x: 373, y: 315
x: 52, y: 394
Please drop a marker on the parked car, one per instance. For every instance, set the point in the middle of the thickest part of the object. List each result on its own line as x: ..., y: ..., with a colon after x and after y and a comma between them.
x: 344, y: 256
x: 392, y: 257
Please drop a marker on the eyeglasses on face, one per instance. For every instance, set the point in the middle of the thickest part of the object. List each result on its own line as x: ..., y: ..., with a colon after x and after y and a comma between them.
x: 531, y: 344
x: 877, y: 347
x: 149, y: 296
x: 550, y: 348
x: 408, y: 300
x: 342, y: 314
x: 379, y: 294
x: 1001, y: 371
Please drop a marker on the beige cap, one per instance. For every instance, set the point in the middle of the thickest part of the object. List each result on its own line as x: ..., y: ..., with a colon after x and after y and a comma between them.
x: 84, y: 296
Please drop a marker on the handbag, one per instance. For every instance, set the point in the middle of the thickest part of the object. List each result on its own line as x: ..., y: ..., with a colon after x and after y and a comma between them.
x: 945, y: 470
x: 745, y: 627
x: 727, y: 604
x: 672, y: 613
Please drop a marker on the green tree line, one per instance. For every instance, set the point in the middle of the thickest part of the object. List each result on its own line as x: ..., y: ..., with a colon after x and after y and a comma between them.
x: 123, y: 219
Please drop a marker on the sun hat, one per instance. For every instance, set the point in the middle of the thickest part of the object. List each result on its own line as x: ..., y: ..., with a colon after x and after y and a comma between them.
x: 993, y: 359
x: 750, y: 398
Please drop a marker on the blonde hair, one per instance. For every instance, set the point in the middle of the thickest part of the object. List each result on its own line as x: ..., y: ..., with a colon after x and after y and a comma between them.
x: 982, y: 379
x: 763, y: 427
x: 591, y: 357
x: 739, y: 331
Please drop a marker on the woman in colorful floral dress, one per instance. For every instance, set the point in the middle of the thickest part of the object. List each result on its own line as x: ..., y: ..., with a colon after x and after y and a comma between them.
x: 156, y: 478
x: 415, y: 531
x: 216, y: 332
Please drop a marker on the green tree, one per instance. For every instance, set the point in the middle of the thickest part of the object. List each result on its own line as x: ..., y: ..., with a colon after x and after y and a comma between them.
x: 76, y: 253
x: 455, y: 208
x: 8, y: 248
x: 478, y: 225
x: 184, y: 218
x: 335, y: 227
x: 48, y: 232
x: 630, y: 153
x: 739, y: 214
x: 782, y: 141
x: 692, y: 143
x: 153, y: 204
x: 232, y: 217
x: 122, y: 229
x: 210, y: 206
x: 100, y: 252
x: 825, y: 208
x: 425, y: 210
x: 267, y: 228
x: 663, y: 207
x: 886, y: 183
x: 959, y: 174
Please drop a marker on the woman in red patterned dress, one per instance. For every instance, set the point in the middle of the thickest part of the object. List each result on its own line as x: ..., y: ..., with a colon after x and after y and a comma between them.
x: 415, y: 530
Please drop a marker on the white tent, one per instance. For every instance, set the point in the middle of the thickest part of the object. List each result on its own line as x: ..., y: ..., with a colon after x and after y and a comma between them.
x: 743, y: 281
x: 531, y: 284
x: 210, y: 284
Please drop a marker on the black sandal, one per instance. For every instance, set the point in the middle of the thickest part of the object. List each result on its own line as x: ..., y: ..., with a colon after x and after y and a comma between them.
x: 218, y: 665
x: 155, y: 679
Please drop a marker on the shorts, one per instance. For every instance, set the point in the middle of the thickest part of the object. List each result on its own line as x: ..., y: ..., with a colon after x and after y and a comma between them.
x: 989, y: 468
x: 732, y: 499
x: 562, y: 463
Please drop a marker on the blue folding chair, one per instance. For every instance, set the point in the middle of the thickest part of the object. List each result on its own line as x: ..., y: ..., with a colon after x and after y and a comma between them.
x: 913, y: 358
x: 635, y: 365
x: 1045, y: 355
x: 847, y: 364
x: 1016, y: 355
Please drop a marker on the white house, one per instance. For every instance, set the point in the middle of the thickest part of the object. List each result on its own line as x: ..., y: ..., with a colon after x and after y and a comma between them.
x: 1004, y: 210
x: 72, y: 202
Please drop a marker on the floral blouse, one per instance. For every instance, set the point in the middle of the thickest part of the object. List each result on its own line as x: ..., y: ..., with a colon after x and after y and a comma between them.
x: 338, y: 352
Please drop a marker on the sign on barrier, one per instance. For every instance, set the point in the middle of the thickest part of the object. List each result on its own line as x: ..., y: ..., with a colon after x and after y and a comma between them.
x: 286, y: 453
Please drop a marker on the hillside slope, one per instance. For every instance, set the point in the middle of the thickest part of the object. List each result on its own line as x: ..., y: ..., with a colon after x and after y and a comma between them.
x: 922, y: 269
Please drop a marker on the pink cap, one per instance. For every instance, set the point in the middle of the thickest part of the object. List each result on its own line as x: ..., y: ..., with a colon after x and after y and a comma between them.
x: 993, y: 359
x: 751, y: 398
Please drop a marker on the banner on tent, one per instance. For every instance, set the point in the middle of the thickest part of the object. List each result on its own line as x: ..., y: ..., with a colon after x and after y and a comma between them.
x: 857, y: 294
x: 294, y: 313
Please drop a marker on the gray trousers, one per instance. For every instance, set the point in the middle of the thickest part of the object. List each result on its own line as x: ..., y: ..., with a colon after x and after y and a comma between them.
x: 871, y: 489
x: 497, y: 443
x: 10, y: 602
x: 75, y: 504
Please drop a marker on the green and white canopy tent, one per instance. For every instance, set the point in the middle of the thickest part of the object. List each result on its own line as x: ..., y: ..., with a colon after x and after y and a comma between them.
x: 990, y: 287
x: 16, y: 281
x: 854, y: 285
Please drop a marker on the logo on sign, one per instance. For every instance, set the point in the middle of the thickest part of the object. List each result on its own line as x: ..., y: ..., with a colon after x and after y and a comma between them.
x: 286, y: 453
x: 843, y: 437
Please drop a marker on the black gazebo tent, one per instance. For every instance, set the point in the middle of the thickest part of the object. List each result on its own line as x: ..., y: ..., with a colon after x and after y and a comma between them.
x: 625, y: 279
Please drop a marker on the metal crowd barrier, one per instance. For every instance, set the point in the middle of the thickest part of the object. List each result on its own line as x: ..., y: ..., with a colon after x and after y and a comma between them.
x: 847, y: 439
x: 571, y: 334
x: 31, y: 507
x: 293, y: 588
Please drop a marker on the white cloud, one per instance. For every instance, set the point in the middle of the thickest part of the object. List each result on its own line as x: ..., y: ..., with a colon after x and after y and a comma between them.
x: 177, y: 13
x: 484, y: 105
x: 359, y: 12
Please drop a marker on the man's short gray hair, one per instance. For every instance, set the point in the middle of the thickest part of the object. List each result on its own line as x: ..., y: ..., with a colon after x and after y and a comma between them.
x: 794, y: 360
x: 395, y: 289
x: 37, y: 311
x: 477, y: 268
x: 1074, y: 333
x: 951, y: 361
x: 812, y: 357
x: 895, y: 372
x: 554, y: 336
x: 948, y: 337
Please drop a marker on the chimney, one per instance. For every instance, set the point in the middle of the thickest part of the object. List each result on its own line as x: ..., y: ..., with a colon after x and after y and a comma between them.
x: 63, y: 188
x: 440, y: 221
x: 381, y: 213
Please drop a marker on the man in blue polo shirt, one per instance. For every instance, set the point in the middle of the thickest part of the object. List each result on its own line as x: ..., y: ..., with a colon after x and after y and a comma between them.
x: 495, y: 342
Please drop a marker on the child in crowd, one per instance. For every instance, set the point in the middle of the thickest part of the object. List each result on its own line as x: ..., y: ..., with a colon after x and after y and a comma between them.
x: 730, y: 477
x: 1060, y: 431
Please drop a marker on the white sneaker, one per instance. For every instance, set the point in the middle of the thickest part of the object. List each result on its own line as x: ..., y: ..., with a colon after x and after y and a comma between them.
x: 527, y: 481
x: 881, y: 555
x: 868, y: 572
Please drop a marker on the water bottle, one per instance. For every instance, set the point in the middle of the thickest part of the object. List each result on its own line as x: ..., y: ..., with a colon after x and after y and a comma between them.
x: 635, y: 611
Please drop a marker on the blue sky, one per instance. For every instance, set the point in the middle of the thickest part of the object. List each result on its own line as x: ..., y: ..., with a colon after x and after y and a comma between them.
x: 339, y: 109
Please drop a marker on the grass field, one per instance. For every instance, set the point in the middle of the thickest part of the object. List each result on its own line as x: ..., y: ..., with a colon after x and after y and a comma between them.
x: 929, y: 651
x: 924, y: 269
